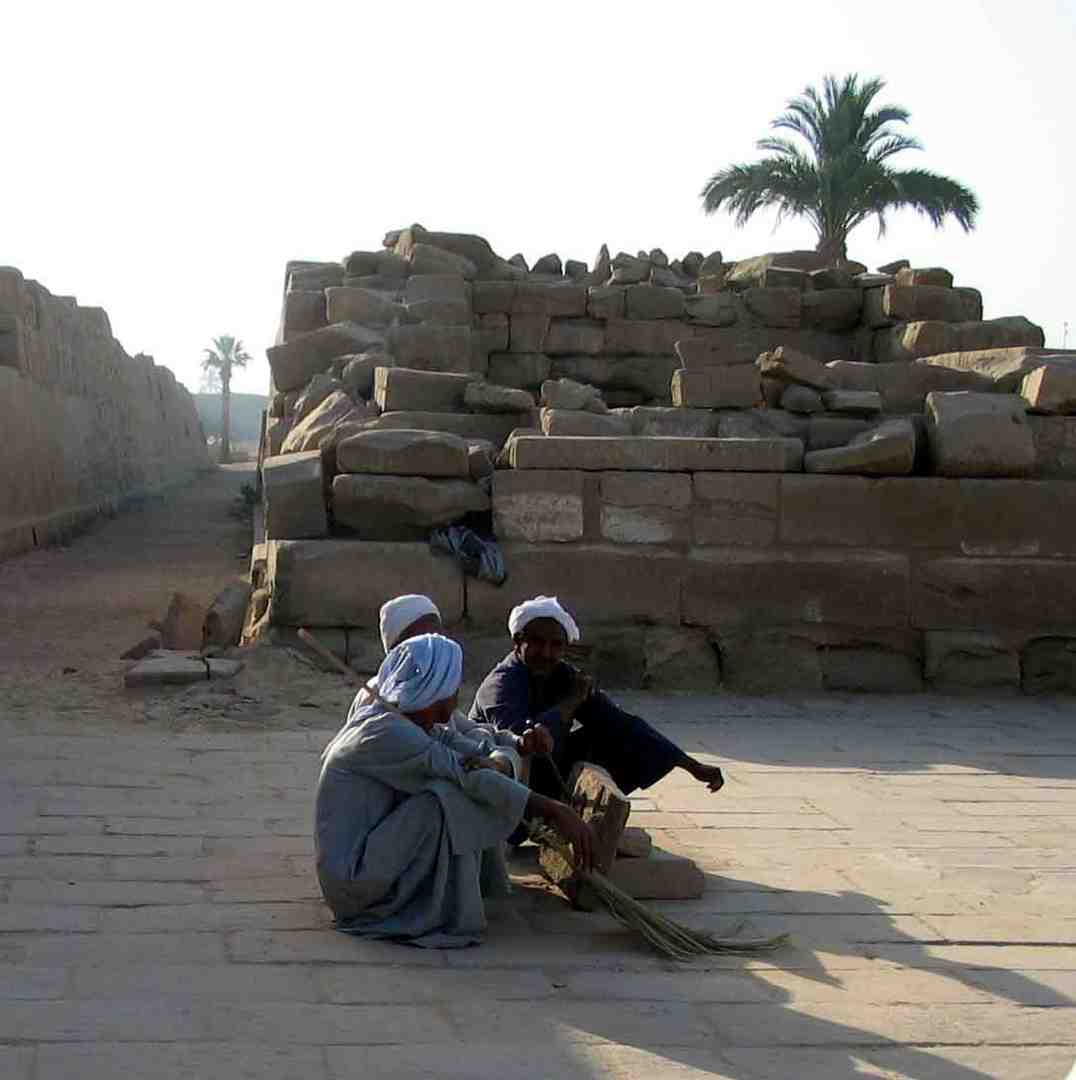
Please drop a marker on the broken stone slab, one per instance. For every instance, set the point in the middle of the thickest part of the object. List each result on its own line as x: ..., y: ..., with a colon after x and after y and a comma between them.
x: 337, y: 409
x: 429, y: 259
x: 368, y: 263
x: 304, y: 276
x: 653, y: 302
x: 294, y: 498
x: 1005, y: 368
x: 575, y: 270
x: 484, y: 397
x: 635, y: 843
x: 801, y: 399
x: 662, y: 420
x: 792, y: 366
x: 717, y: 387
x: 661, y: 876
x: 904, y: 387
x: 761, y: 423
x: 403, y: 452
x: 224, y: 620
x: 657, y: 455
x: 170, y: 668
x: 569, y: 394
x: 567, y: 336
x: 713, y: 309
x: 399, y: 389
x: 525, y: 371
x: 581, y: 422
x: 295, y: 362
x: 382, y: 507
x: 853, y: 402
x: 973, y: 434
x: 886, y: 450
x: 1050, y: 389
x: 969, y: 660
x: 538, y: 506
x: 629, y: 269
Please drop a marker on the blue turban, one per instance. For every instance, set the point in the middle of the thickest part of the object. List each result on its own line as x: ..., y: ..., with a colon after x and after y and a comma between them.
x: 420, y: 672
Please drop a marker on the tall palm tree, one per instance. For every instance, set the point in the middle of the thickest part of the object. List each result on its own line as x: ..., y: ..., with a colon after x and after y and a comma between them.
x: 227, y: 353
x: 843, y: 176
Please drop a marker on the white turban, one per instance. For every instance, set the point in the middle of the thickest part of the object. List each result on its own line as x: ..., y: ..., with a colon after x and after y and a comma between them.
x: 397, y: 615
x: 419, y: 672
x: 542, y: 607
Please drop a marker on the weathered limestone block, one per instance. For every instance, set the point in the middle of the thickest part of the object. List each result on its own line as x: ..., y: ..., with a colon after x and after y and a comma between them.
x: 336, y: 409
x: 734, y: 509
x: 886, y: 450
x: 303, y: 311
x: 1050, y: 389
x: 490, y: 297
x: 783, y: 277
x: 780, y: 307
x: 402, y: 507
x: 910, y: 341
x: 828, y: 432
x: 652, y: 302
x: 832, y: 309
x: 430, y: 259
x: 742, y: 343
x: 979, y: 434
x: 527, y: 371
x: 569, y: 394
x: 1016, y: 517
x: 574, y: 336
x: 916, y: 303
x: 606, y: 301
x: 493, y: 427
x: 313, y: 394
x: 548, y: 264
x: 537, y: 506
x: 292, y: 487
x: 492, y: 333
x: 662, y: 420
x: 402, y: 452
x: 1049, y: 666
x: 642, y: 508
x: 853, y: 402
x: 762, y: 423
x: 399, y: 389
x: 167, y: 668
x: 852, y: 375
x: 660, y: 876
x: 966, y: 660
x: 391, y: 288
x: 716, y: 388
x: 276, y: 431
x: 736, y: 588
x: 770, y: 660
x: 932, y: 276
x: 582, y: 422
x: 362, y: 575
x: 358, y: 373
x: 313, y: 276
x: 430, y: 347
x: 484, y: 397
x: 748, y: 272
x: 381, y: 263
x: 629, y: 269
x: 559, y: 300
x: 442, y: 312
x: 344, y: 304
x: 650, y: 376
x: 224, y: 620
x: 831, y: 278
x: 656, y: 337
x: 658, y: 455
x: 295, y: 362
x: 801, y: 399
x: 1001, y: 369
x: 904, y: 387
x: 527, y: 333
x: 700, y: 352
x: 792, y: 366
x: 714, y: 309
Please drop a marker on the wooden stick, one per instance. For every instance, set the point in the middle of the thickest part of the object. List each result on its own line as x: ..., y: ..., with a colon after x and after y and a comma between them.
x: 331, y: 658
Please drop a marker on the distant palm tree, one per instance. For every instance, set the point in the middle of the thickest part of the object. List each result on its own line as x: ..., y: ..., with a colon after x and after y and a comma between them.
x: 843, y: 177
x: 227, y: 353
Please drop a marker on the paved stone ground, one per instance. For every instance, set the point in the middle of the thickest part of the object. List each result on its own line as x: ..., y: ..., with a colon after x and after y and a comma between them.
x: 159, y: 917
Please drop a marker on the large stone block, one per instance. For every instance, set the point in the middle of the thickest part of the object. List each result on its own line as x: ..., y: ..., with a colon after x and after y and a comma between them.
x: 645, y: 508
x: 345, y: 582
x: 493, y: 428
x: 537, y: 506
x: 703, y: 352
x: 343, y: 304
x: 606, y: 301
x: 910, y: 341
x: 649, y: 375
x: 526, y: 371
x: 970, y: 660
x: 985, y: 594
x: 567, y: 336
x: 733, y: 587
x: 358, y: 373
x: 658, y: 455
x: 1055, y: 445
x: 780, y: 307
x: 832, y: 309
x: 932, y: 275
x: 662, y: 420
x: 430, y: 259
x: 1050, y: 389
x: 338, y: 408
x: 485, y: 397
x: 401, y: 452
x: 303, y: 312
x: 979, y: 434
x: 492, y: 334
x: 555, y: 299
x: 827, y: 432
x: 885, y: 450
x: 431, y: 347
x: 582, y: 422
x: 402, y: 507
x: 294, y: 499
x: 295, y: 362
x: 735, y: 508
x: 914, y: 303
x: 527, y: 333
x: 442, y: 287
x: 1001, y: 369
x: 399, y: 389
x: 748, y: 272
x: 1017, y: 517
x: 904, y: 387
x: 597, y: 583
x: 656, y: 337
x: 717, y: 387
x: 653, y: 302
x: 713, y: 309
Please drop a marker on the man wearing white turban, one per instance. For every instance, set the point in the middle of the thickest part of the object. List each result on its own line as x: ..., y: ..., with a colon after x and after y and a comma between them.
x: 407, y: 830
x: 533, y: 685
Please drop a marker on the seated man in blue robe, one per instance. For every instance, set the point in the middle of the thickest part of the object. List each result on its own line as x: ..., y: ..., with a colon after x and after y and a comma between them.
x: 405, y: 825
x: 533, y: 687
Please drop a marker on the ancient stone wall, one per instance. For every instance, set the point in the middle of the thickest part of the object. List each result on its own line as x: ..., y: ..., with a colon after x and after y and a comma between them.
x: 85, y: 425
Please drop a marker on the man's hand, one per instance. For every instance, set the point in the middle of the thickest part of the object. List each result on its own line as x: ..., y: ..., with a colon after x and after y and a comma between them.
x: 537, y: 740
x: 576, y: 831
x: 496, y: 764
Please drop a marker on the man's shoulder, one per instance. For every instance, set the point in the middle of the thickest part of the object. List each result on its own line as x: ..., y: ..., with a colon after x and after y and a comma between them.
x: 509, y: 672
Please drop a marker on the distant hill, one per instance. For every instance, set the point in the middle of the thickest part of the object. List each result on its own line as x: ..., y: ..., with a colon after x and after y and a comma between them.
x: 246, y: 415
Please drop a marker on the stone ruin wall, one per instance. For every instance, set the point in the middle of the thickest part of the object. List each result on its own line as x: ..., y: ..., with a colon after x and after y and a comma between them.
x: 886, y: 504
x: 86, y: 426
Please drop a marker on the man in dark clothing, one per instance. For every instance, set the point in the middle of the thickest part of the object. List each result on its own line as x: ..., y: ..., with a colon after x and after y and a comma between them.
x: 533, y: 687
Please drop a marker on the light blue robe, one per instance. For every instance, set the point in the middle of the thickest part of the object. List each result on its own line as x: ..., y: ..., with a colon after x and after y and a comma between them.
x: 406, y: 840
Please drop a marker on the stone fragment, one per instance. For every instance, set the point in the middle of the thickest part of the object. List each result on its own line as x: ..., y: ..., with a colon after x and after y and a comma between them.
x: 224, y: 620
x: 661, y: 876
x: 934, y: 276
x: 313, y: 394
x: 606, y: 301
x: 853, y: 402
x: 310, y: 433
x: 295, y: 362
x: 398, y: 388
x: 714, y: 309
x: 150, y: 643
x: 910, y: 341
x: 629, y: 269
x: 886, y: 450
x: 687, y: 423
x: 654, y: 337
x: 778, y: 307
x: 527, y: 333
x: 635, y: 843
x: 484, y: 397
x: 292, y: 486
x: 536, y: 506
x: 657, y: 455
x: 522, y: 370
x: 430, y: 347
x: 1050, y: 389
x: 969, y: 660
x: 752, y: 272
x: 567, y: 336
x: 783, y: 277
x: 568, y: 394
x: 368, y: 308
x: 835, y: 310
x: 575, y: 269
x: 548, y: 264
x: 979, y: 434
x: 403, y: 452
x: 652, y: 302
x: 181, y: 627
x: 369, y: 263
x: 714, y: 263
x: 303, y: 311
x: 716, y: 388
x: 276, y: 431
x: 358, y: 374
x: 603, y: 267
x: 643, y: 377
x: 904, y: 387
x: 582, y: 422
x: 691, y: 263
x: 801, y: 399
x: 429, y: 259
x: 1049, y: 666
x: 827, y: 432
x: 894, y: 267
x: 793, y: 366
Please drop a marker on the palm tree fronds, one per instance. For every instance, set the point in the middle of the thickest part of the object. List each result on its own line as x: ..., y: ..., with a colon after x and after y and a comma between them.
x: 935, y: 196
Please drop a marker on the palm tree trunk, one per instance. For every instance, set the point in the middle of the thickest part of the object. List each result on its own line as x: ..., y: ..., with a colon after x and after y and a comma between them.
x: 225, y: 415
x: 833, y: 247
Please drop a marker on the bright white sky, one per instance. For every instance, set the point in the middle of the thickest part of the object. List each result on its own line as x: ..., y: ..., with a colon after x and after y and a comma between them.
x: 164, y: 161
